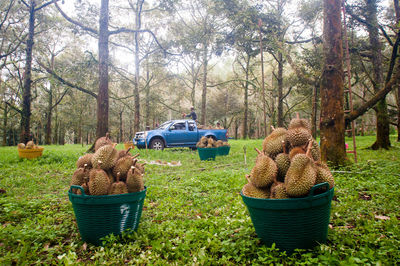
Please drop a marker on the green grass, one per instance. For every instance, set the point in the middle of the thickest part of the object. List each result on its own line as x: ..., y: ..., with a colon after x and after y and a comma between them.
x: 193, y: 214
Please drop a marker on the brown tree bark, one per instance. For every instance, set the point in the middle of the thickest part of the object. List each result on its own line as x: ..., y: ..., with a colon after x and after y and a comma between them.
x: 5, y: 122
x: 280, y: 89
x: 245, y: 128
x: 314, y: 111
x: 397, y: 11
x: 332, y: 115
x: 102, y: 97
x: 382, y: 117
x: 26, y: 97
x: 204, y: 84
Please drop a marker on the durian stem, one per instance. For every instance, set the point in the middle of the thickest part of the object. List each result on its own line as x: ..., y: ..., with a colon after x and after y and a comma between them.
x: 248, y: 178
x: 273, y: 128
x: 308, y: 152
x: 297, y: 115
x: 118, y: 175
x: 107, y: 136
x: 283, y: 146
x: 134, y: 162
x: 258, y: 151
x: 128, y: 150
x: 135, y: 156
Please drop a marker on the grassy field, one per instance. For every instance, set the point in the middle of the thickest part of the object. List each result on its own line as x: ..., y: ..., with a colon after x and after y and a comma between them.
x: 193, y: 213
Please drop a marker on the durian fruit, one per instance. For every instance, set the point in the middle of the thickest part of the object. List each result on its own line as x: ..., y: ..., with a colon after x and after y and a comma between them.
x: 110, y: 176
x: 210, y: 143
x: 99, y: 182
x: 272, y: 144
x: 264, y: 172
x: 100, y: 142
x: 134, y: 180
x: 105, y: 157
x: 283, y: 163
x: 252, y: 191
x: 85, y: 159
x: 299, y: 122
x: 324, y: 175
x: 123, y: 153
x: 85, y: 187
x: 140, y: 167
x: 296, y: 150
x: 219, y: 143
x: 30, y: 145
x: 278, y: 191
x: 298, y: 136
x: 118, y: 187
x: 301, y: 175
x: 78, y: 177
x: 21, y: 146
x: 315, y: 151
x: 122, y: 166
x: 225, y: 143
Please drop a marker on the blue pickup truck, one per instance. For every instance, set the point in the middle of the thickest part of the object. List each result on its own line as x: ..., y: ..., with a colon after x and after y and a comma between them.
x: 176, y: 133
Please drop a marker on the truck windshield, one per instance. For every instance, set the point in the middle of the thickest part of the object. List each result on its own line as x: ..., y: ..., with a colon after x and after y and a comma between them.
x: 164, y: 125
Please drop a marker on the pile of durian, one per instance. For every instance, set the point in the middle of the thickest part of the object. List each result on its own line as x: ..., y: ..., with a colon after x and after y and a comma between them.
x: 29, y: 145
x: 289, y: 164
x: 108, y: 171
x: 205, y: 142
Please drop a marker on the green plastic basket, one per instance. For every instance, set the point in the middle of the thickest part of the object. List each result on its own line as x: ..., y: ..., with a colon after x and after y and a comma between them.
x: 99, y: 216
x: 207, y: 153
x: 296, y: 223
x: 223, y: 150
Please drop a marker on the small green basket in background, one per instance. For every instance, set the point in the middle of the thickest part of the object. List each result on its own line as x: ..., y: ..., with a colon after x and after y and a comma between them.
x: 99, y: 216
x: 223, y: 150
x: 207, y: 153
x: 295, y: 223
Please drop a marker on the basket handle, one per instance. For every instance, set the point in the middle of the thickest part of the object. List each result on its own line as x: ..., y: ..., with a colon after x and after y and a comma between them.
x: 321, y: 185
x: 77, y: 187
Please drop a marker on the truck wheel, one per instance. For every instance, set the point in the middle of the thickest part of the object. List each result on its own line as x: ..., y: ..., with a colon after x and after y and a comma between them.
x: 157, y: 144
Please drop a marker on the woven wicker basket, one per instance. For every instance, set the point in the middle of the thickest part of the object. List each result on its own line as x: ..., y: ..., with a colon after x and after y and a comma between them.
x: 30, y: 153
x: 99, y: 216
x: 295, y: 223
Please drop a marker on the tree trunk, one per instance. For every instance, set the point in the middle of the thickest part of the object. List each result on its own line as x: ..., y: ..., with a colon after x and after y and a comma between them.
x: 137, y: 66
x: 204, y: 84
x: 382, y: 118
x: 397, y: 11
x: 332, y: 114
x: 49, y: 114
x: 26, y: 98
x: 280, y: 89
x: 246, y: 100
x: 314, y: 111
x: 5, y: 118
x: 121, y: 132
x: 102, y: 97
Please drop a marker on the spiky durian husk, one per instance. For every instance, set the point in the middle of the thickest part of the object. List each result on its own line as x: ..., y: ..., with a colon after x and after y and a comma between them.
x: 99, y: 182
x: 209, y: 145
x: 301, y: 176
x: 278, y: 191
x: 272, y: 144
x: 225, y: 143
x: 140, y: 167
x: 252, y: 191
x: 324, y: 175
x: 134, y: 180
x: 219, y: 143
x: 30, y: 145
x: 123, y: 153
x: 118, y: 187
x: 85, y: 188
x: 299, y: 122
x: 282, y: 162
x: 78, y: 178
x: 210, y: 142
x: 122, y: 166
x: 85, y: 159
x: 315, y: 151
x: 264, y: 172
x: 298, y: 136
x: 105, y: 157
x: 100, y: 142
x: 296, y: 150
x: 21, y: 145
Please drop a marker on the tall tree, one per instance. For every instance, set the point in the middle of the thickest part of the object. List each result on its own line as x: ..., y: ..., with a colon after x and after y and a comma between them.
x: 26, y: 100
x: 332, y: 97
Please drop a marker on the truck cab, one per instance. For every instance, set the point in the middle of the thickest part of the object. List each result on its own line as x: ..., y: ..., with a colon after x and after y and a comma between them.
x: 176, y: 133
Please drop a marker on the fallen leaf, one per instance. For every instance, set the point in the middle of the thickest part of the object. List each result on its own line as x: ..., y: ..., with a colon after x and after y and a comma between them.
x: 382, y: 217
x: 84, y: 246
